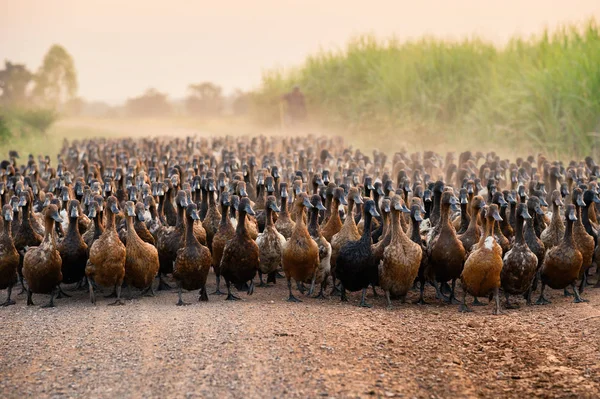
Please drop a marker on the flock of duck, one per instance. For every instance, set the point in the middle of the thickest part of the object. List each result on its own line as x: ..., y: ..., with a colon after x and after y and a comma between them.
x: 313, y: 211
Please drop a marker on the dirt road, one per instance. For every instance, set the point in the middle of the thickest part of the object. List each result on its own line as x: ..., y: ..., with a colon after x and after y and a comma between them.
x: 264, y: 347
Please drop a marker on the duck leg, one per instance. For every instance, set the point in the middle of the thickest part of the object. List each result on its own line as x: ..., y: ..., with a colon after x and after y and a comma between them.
x: 23, y: 289
x: 508, y: 304
x: 92, y: 295
x: 230, y: 296
x: 272, y: 278
x: 81, y: 284
x: 566, y: 293
x: 451, y: 299
x: 476, y: 302
x: 179, y: 292
x: 542, y: 300
x: 375, y: 294
x: 363, y: 303
x: 291, y: 298
x: 52, y: 295
x: 438, y: 291
x: 497, y: 298
x: 62, y: 294
x: 388, y: 300
x: 421, y: 301
x: 29, y: 298
x: 119, y: 301
x: 130, y: 292
x: 113, y: 294
x: 218, y: 290
x: 583, y: 283
x: 251, y: 287
x: 321, y: 294
x: 312, y: 284
x: 149, y: 291
x: 9, y: 301
x: 162, y: 284
x: 445, y: 288
x: 203, y: 295
x: 578, y: 298
x: 335, y: 291
x: 301, y: 287
x: 343, y: 296
x: 262, y: 283
x: 463, y: 308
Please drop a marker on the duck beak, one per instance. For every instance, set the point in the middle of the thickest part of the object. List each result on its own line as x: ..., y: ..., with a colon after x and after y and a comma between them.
x: 370, y: 186
x: 56, y: 217
x: 580, y: 201
x: 270, y: 188
x: 307, y: 203
x: 274, y: 207
x: 194, y: 215
x: 503, y: 203
x: 596, y: 199
x: 374, y: 212
x: 321, y: 207
x: 357, y: 199
x: 74, y: 212
x: 380, y: 191
x: 248, y: 209
x: 386, y: 207
x: 559, y: 202
x: 543, y: 202
x: 463, y: 200
x: 343, y: 200
x: 243, y: 192
x: 470, y: 190
x: 92, y: 213
x: 496, y: 216
x: 538, y: 210
x: 524, y: 214
x: 22, y: 201
x: 417, y: 216
x: 8, y: 216
x: 572, y: 215
x: 114, y: 208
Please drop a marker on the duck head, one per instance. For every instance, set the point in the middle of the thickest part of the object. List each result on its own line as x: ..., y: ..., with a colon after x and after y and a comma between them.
x: 416, y: 213
x: 370, y: 208
x: 224, y: 199
x: 140, y: 209
x: 448, y: 199
x: 499, y: 200
x: 191, y: 211
x: 463, y: 196
x: 316, y: 202
x: 7, y: 213
x: 181, y: 199
x: 557, y: 198
x: 304, y: 201
x: 74, y: 209
x: 270, y: 184
x: 522, y: 211
x: 272, y: 203
x: 398, y: 204
x: 112, y: 204
x: 338, y: 194
x: 570, y: 213
x: 578, y: 197
x: 283, y: 191
x: 589, y: 197
x: 52, y: 213
x: 533, y: 206
x: 493, y: 213
x: 234, y: 202
x: 244, y: 206
x: 354, y: 194
x: 130, y: 209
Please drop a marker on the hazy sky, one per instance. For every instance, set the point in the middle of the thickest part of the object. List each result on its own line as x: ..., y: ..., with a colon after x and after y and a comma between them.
x: 122, y: 47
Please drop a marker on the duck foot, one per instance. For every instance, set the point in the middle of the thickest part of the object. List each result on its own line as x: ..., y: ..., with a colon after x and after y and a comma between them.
x: 118, y: 302
x: 251, y: 287
x: 148, y: 291
x: 50, y: 304
x: 218, y: 292
x: 279, y: 275
x: 113, y: 295
x: 445, y: 288
x: 62, y: 294
x: 301, y: 287
x: 511, y: 306
x: 231, y: 297
x: 203, y: 295
x: 566, y: 293
x: 292, y: 298
x: 335, y: 291
x: 375, y: 294
x: 476, y: 302
x: 8, y: 302
x: 542, y: 301
x: 163, y: 286
x: 30, y: 298
x: 320, y: 295
x: 578, y: 298
x: 451, y: 300
x: 420, y: 301
x: 363, y: 303
x: 271, y: 278
x: 181, y: 303
x: 463, y: 308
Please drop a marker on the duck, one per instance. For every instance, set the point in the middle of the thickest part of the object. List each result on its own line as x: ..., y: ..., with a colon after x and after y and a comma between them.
x: 42, y: 264
x: 25, y: 235
x: 300, y: 256
x: 461, y: 224
x: 386, y: 238
x: 224, y: 234
x: 96, y: 214
x: 240, y: 260
x: 141, y: 261
x: 72, y: 249
x: 445, y: 251
x: 356, y: 266
x: 438, y: 190
x: 153, y: 223
x: 9, y: 257
x: 473, y: 233
x: 323, y: 271
x: 563, y: 262
x: 417, y: 211
x: 506, y: 225
x: 498, y: 199
x: 170, y: 240
x: 348, y: 232
x: 401, y: 258
x: 584, y: 242
x: 519, y: 264
x: 481, y: 273
x: 213, y: 216
x: 270, y: 243
x: 553, y: 234
x: 284, y: 224
x: 334, y: 224
x: 533, y: 242
x: 106, y: 263
x: 261, y: 215
x: 193, y: 260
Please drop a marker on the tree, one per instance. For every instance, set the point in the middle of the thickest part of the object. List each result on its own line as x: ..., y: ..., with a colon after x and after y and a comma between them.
x: 205, y: 99
x: 151, y: 103
x: 14, y: 79
x: 56, y: 80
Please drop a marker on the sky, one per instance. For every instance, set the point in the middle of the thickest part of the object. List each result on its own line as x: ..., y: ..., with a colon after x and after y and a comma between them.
x: 123, y: 47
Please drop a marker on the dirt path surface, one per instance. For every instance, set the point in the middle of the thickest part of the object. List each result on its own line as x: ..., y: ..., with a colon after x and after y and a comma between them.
x: 264, y: 347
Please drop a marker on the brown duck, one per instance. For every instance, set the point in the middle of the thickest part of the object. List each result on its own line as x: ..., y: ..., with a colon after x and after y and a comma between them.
x: 9, y: 257
x: 224, y: 234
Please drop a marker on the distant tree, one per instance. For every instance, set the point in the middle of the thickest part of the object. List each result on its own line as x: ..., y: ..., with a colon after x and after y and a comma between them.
x: 241, y: 102
x: 151, y: 103
x: 205, y: 99
x: 14, y: 79
x: 56, y: 80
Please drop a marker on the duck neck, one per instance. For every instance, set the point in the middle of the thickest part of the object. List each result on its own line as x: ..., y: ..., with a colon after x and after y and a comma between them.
x: 416, y: 231
x: 110, y: 220
x: 335, y: 213
x: 579, y: 216
x: 328, y: 201
x: 474, y: 217
x: 240, y: 230
x: 180, y: 216
x: 568, y: 238
x: 519, y: 239
x: 284, y: 208
x: 153, y: 212
x: 269, y: 221
x: 366, y: 236
x: 504, y: 221
x: 224, y: 214
x: 464, y: 217
x: 73, y: 230
x: 161, y: 205
x: 189, y: 232
x: 25, y: 220
x: 49, y: 232
x: 398, y: 234
x: 445, y: 215
x: 313, y: 226
x: 232, y: 212
x: 529, y: 224
x: 7, y: 228
x: 131, y: 233
x: 512, y: 217
x: 211, y: 199
x: 585, y: 217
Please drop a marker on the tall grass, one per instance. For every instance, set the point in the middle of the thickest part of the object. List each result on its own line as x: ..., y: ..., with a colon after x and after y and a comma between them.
x: 540, y: 94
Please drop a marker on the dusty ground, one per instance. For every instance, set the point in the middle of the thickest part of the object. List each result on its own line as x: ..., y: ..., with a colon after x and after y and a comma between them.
x: 264, y: 347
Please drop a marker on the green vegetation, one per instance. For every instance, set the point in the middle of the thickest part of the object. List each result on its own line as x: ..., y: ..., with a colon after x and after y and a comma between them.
x: 541, y: 93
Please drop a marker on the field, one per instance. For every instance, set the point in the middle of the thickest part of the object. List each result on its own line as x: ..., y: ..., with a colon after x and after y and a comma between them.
x: 266, y: 347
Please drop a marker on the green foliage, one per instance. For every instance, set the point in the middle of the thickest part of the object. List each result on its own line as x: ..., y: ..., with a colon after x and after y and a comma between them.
x: 5, y: 133
x: 541, y: 93
x: 56, y: 80
x: 40, y: 119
